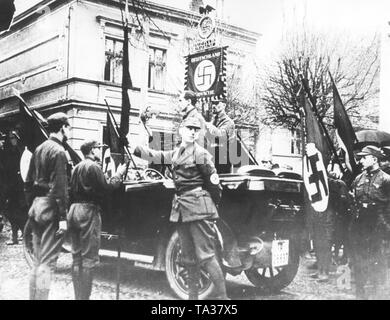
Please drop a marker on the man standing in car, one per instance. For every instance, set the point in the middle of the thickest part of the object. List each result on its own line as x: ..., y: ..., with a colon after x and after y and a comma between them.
x: 220, y: 132
x: 194, y: 206
x: 88, y: 192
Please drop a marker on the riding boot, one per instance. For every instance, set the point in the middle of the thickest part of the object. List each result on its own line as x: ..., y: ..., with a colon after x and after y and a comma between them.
x: 86, y: 283
x: 43, y: 280
x: 216, y: 275
x: 77, y: 274
x: 193, y: 282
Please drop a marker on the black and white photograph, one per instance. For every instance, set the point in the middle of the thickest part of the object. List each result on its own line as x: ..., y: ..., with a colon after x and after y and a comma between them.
x: 215, y: 150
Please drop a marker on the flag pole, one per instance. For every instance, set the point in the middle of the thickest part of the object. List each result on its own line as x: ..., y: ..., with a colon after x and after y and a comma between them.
x: 340, y: 108
x: 125, y: 146
x: 328, y: 139
x: 73, y: 155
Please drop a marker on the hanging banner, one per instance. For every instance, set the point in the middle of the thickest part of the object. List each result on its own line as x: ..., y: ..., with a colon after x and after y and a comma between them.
x: 206, y: 74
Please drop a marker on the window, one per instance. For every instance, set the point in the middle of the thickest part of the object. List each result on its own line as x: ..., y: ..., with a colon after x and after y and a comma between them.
x: 113, y: 63
x: 157, y: 68
x: 296, y: 142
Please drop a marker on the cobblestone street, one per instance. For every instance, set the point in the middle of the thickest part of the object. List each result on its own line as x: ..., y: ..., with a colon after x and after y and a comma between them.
x: 139, y: 283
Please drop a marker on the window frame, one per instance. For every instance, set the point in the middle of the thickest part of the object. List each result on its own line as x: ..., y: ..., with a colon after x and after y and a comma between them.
x: 164, y: 68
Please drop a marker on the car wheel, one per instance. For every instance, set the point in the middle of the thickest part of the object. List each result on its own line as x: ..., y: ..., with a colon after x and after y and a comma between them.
x: 177, y: 274
x: 274, y: 279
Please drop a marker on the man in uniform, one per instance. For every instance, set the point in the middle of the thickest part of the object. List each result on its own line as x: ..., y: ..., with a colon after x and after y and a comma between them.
x: 371, y: 190
x: 188, y: 109
x: 88, y: 191
x: 220, y: 131
x: 15, y: 206
x: 46, y: 190
x: 194, y: 206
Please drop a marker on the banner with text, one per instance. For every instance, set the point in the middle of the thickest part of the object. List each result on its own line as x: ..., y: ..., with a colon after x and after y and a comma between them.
x: 206, y: 74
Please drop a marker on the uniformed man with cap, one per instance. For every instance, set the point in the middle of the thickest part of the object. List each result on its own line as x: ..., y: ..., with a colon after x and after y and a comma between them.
x: 220, y: 133
x: 371, y: 190
x: 187, y: 101
x: 194, y: 207
x: 88, y: 192
x: 46, y: 189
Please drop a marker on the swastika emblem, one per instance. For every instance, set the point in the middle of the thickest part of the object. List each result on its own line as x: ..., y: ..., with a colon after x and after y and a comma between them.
x: 204, y: 75
x: 315, y: 178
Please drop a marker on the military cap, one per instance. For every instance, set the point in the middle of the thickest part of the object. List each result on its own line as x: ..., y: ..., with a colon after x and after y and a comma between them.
x: 58, y: 118
x: 88, y: 145
x: 217, y: 99
x: 371, y: 150
x: 191, y: 122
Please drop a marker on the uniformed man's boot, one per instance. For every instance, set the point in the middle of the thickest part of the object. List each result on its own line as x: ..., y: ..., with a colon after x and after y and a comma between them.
x: 43, y: 280
x: 193, y: 282
x: 86, y: 283
x: 216, y: 275
x: 77, y: 273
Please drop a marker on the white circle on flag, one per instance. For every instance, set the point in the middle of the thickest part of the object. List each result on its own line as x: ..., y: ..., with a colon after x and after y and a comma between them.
x: 315, y: 179
x: 204, y: 75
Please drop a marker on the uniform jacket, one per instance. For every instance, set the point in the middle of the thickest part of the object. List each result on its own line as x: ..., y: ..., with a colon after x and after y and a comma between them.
x: 47, y: 178
x: 222, y: 128
x: 372, y: 188
x: 88, y: 183
x: 339, y: 196
x: 196, y: 181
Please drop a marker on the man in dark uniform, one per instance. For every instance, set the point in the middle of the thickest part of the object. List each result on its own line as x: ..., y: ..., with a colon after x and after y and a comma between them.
x: 188, y: 109
x: 220, y: 132
x: 15, y: 203
x: 194, y: 206
x: 371, y: 190
x: 88, y: 191
x: 340, y: 200
x: 46, y: 190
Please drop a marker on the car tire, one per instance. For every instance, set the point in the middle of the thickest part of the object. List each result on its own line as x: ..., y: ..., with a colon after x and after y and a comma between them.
x: 272, y: 280
x: 176, y: 274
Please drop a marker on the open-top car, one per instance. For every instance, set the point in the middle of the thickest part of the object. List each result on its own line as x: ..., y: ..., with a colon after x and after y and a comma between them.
x: 261, y: 219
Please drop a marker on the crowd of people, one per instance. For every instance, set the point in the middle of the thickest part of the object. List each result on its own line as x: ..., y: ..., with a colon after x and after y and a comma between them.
x: 54, y: 202
x: 355, y: 229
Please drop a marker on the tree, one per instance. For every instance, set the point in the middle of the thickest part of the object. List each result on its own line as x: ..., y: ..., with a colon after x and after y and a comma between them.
x: 353, y: 65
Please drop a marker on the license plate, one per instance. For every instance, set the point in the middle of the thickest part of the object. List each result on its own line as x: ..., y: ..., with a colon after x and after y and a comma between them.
x: 280, y: 253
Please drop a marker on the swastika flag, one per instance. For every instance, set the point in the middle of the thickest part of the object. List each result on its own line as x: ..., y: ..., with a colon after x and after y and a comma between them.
x: 315, y: 160
x: 206, y: 73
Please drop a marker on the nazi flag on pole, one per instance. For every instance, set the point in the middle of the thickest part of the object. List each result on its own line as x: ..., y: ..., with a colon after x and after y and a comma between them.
x: 315, y: 160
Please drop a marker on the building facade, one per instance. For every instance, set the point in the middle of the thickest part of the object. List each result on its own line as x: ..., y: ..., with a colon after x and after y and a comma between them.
x: 66, y: 55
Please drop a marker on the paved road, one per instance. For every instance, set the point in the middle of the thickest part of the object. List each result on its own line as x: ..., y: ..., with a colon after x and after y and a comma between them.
x: 138, y: 283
